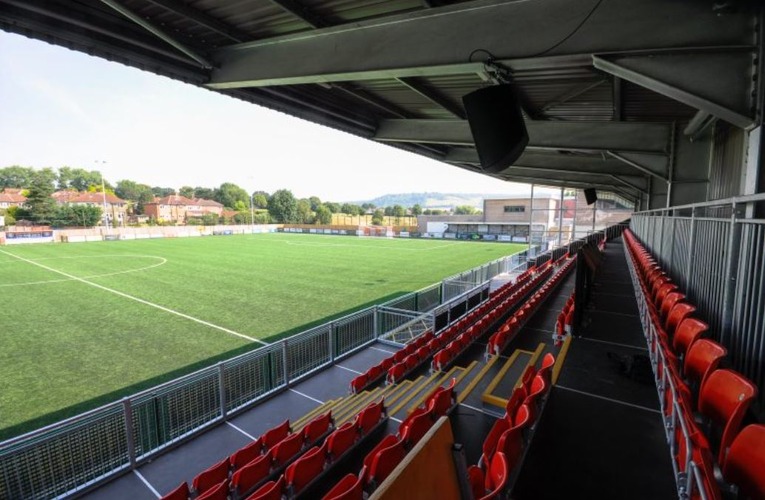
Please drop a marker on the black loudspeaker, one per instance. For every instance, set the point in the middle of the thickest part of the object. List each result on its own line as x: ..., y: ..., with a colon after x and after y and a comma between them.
x: 590, y: 195
x: 496, y: 122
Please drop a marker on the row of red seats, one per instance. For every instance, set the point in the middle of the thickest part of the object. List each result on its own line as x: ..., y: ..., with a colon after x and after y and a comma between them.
x: 565, y: 320
x: 504, y: 444
x: 689, y: 378
x: 513, y: 325
x: 243, y: 471
x: 391, y: 450
x: 456, y: 340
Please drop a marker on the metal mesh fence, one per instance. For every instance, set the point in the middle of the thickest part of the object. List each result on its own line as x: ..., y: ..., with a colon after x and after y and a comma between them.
x: 428, y: 298
x: 252, y: 376
x: 354, y: 331
x: 308, y: 351
x: 66, y: 458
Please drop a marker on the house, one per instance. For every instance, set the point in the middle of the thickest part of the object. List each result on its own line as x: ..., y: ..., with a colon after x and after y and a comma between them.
x: 11, y: 198
x: 176, y: 208
x: 114, y: 208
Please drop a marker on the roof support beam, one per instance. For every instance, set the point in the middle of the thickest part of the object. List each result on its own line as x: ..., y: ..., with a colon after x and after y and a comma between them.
x: 204, y: 19
x: 433, y: 97
x: 297, y: 9
x: 438, y: 41
x: 637, y: 166
x: 201, y: 60
x: 616, y: 96
x: 652, y: 138
x: 572, y: 93
x: 711, y: 81
x: 643, y: 190
x: 554, y: 182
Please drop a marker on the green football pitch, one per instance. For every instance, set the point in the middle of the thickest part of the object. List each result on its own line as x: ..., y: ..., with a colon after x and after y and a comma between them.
x: 84, y: 324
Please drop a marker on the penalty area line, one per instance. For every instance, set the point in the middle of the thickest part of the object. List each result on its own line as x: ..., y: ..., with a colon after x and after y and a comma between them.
x: 137, y: 299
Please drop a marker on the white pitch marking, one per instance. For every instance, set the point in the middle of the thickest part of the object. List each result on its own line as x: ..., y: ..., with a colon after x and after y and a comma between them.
x: 131, y: 297
x: 242, y: 431
x: 146, y: 268
x: 147, y: 483
x: 307, y: 396
x: 349, y: 369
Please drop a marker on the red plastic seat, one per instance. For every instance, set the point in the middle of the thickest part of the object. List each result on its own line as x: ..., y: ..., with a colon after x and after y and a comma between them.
x: 217, y: 492
x: 441, y: 359
x: 523, y: 418
x: 439, y: 402
x: 211, y: 477
x: 511, y: 445
x: 687, y: 332
x: 247, y: 477
x: 490, y: 485
x: 545, y: 371
x: 388, y: 440
x: 317, y: 427
x: 341, y: 440
x: 374, y: 372
x: 369, y: 417
x: 662, y: 292
x: 677, y: 314
x: 538, y: 388
x: 286, y: 449
x: 669, y: 302
x: 349, y: 488
x: 516, y: 400
x: 527, y: 377
x: 745, y: 464
x: 358, y: 383
x: 276, y: 434
x: 384, y: 462
x: 396, y: 373
x: 492, y: 438
x: 246, y: 454
x: 399, y: 356
x: 724, y: 398
x: 305, y: 469
x: 386, y: 363
x: 180, y: 493
x: 416, y: 427
x: 272, y: 490
x: 703, y: 358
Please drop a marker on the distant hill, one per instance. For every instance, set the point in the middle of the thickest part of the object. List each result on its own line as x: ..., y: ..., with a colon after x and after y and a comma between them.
x: 429, y: 200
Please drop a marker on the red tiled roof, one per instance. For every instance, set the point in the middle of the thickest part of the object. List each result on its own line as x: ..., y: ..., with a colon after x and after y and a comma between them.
x: 12, y: 197
x: 173, y: 199
x: 206, y: 203
x: 95, y: 198
x: 13, y: 191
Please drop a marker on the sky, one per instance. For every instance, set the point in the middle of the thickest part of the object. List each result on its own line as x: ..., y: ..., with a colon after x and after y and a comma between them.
x: 60, y: 107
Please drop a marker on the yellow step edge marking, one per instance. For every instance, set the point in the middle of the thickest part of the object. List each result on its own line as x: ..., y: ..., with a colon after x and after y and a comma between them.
x: 356, y: 405
x: 438, y: 384
x: 561, y: 358
x: 398, y: 391
x: 464, y: 374
x: 532, y: 361
x: 466, y: 391
x: 319, y: 410
x: 348, y: 400
x: 501, y: 373
x: 494, y: 400
x: 413, y: 393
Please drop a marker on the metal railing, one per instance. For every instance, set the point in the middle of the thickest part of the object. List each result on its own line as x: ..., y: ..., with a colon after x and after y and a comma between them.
x: 73, y: 455
x: 715, y: 252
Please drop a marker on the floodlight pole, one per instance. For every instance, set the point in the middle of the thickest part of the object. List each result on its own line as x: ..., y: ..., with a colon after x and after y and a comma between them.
x: 103, y: 196
x: 252, y: 215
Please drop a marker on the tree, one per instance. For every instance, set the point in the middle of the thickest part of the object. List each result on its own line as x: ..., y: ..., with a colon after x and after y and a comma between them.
x: 283, y: 206
x: 16, y: 176
x: 304, y: 212
x: 315, y: 202
x: 346, y: 208
x: 138, y: 194
x: 260, y: 200
x: 79, y: 179
x: 204, y: 193
x: 416, y: 210
x: 368, y: 206
x: 333, y: 207
x: 186, y: 191
x: 77, y: 215
x: 377, y: 217
x: 465, y: 210
x: 39, y: 205
x: 388, y: 211
x: 323, y: 215
x: 398, y: 211
x: 229, y: 193
x: 240, y: 206
x: 161, y: 192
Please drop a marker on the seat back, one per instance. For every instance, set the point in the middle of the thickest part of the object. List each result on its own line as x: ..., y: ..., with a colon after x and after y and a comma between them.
x: 305, y: 469
x: 677, y: 314
x: 272, y: 490
x: 286, y: 449
x: 385, y: 461
x: 180, y: 493
x: 662, y: 292
x: 246, y: 454
x: 349, y: 488
x: 724, y: 398
x: 528, y: 376
x: 491, y: 440
x: 688, y: 331
x: 744, y: 465
x: 388, y: 440
x: 211, y: 477
x: 496, y: 478
x: 516, y: 400
x: 341, y: 440
x: 396, y: 373
x: 370, y: 417
x: 441, y: 400
x: 247, y: 477
x: 703, y: 358
x: 217, y: 492
x: 317, y: 427
x: 511, y: 444
x: 276, y: 434
x: 524, y: 417
x: 416, y: 428
x: 669, y: 302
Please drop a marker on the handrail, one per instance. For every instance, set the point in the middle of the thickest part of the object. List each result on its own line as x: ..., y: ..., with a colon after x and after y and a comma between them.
x: 735, y: 200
